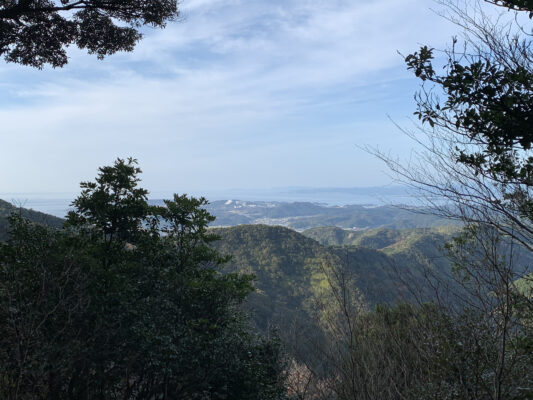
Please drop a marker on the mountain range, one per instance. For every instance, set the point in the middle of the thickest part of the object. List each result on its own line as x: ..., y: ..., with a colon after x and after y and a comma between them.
x: 292, y: 268
x: 305, y: 215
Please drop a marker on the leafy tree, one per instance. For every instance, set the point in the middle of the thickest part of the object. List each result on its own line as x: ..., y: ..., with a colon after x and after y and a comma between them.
x: 476, y: 165
x: 488, y: 103
x: 477, y: 119
x: 37, y: 32
x: 127, y: 302
x: 421, y: 351
x: 113, y: 206
x: 476, y: 125
x: 519, y: 5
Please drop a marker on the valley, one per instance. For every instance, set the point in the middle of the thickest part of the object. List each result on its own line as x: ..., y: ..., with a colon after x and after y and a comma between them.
x: 392, y: 255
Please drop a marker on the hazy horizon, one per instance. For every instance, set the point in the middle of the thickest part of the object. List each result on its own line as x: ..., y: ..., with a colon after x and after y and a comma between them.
x: 57, y: 203
x: 235, y: 94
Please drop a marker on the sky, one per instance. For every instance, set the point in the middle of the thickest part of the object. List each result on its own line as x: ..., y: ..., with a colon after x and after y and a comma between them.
x: 248, y: 94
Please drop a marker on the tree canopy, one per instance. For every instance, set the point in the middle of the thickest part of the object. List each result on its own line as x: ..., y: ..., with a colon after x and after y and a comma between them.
x: 128, y: 301
x: 474, y: 163
x: 476, y: 108
x: 37, y: 32
x: 519, y: 5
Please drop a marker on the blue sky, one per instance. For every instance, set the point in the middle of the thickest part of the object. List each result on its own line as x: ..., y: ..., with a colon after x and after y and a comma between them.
x: 237, y: 94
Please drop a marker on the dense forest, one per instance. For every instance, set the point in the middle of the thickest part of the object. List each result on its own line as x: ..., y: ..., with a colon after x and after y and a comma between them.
x: 291, y: 277
x: 124, y: 299
x: 6, y: 209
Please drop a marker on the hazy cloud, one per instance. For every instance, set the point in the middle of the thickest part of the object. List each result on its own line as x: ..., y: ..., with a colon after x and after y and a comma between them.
x: 244, y: 90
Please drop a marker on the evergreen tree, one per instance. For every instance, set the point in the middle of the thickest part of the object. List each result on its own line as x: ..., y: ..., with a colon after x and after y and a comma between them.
x: 128, y: 301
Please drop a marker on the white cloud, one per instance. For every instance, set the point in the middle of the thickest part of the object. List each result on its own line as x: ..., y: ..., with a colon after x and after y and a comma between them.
x: 217, y: 79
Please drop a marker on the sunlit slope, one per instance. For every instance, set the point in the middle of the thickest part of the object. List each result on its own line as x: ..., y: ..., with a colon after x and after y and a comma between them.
x: 289, y: 267
x: 380, y: 238
x: 284, y: 263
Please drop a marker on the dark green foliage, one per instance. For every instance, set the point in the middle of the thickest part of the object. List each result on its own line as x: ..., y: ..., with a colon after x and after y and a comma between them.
x: 37, y: 32
x: 6, y: 209
x: 425, y: 352
x: 112, y: 206
x: 519, y: 5
x: 487, y: 102
x: 128, y: 302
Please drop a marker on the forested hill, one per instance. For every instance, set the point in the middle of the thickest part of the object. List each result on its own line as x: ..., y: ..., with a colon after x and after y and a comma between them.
x: 381, y: 238
x: 7, y: 208
x: 290, y: 270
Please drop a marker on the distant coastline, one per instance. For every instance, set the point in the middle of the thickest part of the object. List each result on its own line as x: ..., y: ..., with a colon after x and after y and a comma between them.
x: 58, y: 204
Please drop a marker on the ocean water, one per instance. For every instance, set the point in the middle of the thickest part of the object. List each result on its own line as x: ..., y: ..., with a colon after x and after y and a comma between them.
x: 58, y: 204
x: 58, y: 207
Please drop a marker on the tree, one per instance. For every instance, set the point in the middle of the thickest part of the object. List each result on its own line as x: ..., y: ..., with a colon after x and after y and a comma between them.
x: 112, y: 206
x: 476, y: 162
x: 422, y: 351
x: 475, y: 165
x: 128, y: 301
x: 37, y: 32
x: 518, y: 5
x: 487, y: 90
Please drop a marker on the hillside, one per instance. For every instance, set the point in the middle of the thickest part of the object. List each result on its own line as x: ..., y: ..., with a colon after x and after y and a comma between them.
x: 386, y: 239
x: 289, y: 270
x: 415, y: 250
x: 7, y: 209
x: 284, y: 263
x: 389, y: 266
x: 289, y: 265
x: 296, y: 215
x: 305, y: 215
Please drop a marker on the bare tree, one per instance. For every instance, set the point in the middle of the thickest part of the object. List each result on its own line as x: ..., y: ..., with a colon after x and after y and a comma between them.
x: 474, y: 164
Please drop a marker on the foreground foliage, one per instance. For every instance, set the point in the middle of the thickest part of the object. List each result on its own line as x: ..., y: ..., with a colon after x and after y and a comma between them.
x: 475, y: 166
x: 37, y: 32
x: 426, y: 352
x: 127, y: 302
x: 6, y: 209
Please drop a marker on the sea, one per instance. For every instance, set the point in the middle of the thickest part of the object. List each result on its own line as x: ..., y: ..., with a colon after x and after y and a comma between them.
x: 59, y: 204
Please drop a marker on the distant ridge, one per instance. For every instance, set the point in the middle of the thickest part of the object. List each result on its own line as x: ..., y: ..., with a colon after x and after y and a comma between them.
x: 6, y: 209
x: 305, y: 215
